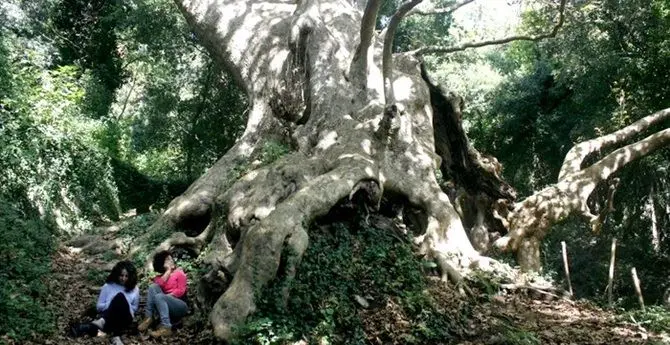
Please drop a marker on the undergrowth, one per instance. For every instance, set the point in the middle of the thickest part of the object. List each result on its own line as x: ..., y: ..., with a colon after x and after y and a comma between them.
x: 26, y: 245
x: 653, y: 318
x: 343, y: 269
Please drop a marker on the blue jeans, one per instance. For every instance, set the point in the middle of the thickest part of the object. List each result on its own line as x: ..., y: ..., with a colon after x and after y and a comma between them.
x: 166, y: 306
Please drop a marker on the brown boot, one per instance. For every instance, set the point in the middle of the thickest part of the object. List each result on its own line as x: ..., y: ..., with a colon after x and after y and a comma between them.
x: 162, y: 331
x: 145, y: 324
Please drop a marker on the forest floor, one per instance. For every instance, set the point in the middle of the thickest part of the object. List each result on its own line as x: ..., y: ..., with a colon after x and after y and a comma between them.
x: 513, y: 318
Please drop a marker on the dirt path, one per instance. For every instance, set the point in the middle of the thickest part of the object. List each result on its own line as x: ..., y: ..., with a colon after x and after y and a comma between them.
x: 511, y: 319
x: 558, y: 322
x: 517, y: 319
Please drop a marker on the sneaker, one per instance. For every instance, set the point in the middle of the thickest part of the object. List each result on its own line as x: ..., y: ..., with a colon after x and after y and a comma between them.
x: 82, y: 329
x: 146, y: 323
x: 162, y: 331
x: 115, y: 341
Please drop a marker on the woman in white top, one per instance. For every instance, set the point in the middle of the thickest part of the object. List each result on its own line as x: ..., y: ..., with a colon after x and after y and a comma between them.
x: 117, y: 304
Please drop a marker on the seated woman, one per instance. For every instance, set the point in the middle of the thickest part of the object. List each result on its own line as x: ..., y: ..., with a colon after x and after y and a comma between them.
x: 166, y: 296
x: 117, y: 303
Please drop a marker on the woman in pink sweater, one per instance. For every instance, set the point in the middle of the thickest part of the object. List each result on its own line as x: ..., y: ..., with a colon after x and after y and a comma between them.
x: 166, y: 296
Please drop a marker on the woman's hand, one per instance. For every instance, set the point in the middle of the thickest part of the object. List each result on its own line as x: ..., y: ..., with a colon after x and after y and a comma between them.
x: 169, y: 267
x: 166, y: 275
x: 169, y: 264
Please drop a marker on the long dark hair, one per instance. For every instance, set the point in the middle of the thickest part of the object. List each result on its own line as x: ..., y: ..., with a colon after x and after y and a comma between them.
x: 159, y: 261
x: 131, y: 282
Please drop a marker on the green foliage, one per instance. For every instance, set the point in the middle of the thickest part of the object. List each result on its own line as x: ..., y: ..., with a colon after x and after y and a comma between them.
x: 85, y: 31
x: 184, y: 112
x: 533, y: 135
x: 342, y: 262
x: 654, y: 318
x: 273, y: 150
x: 26, y: 244
x: 96, y: 275
x: 139, y: 191
x: 158, y: 236
x: 603, y: 71
x: 54, y: 179
x: 94, y: 95
x: 486, y: 282
x: 45, y: 150
x: 607, y: 68
x: 127, y: 82
x: 137, y: 226
x: 416, y: 31
x: 511, y: 335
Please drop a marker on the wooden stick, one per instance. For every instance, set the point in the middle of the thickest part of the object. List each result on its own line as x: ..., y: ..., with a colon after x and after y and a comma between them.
x: 636, y: 281
x: 610, y: 279
x: 565, y: 265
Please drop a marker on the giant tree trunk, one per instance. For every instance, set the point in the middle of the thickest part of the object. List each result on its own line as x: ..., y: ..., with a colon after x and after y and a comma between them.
x: 315, y: 72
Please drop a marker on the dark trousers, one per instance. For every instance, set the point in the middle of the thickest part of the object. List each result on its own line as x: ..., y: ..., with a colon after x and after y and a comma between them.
x: 117, y: 316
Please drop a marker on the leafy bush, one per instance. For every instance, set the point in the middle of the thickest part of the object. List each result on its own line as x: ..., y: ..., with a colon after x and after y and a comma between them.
x: 654, y: 318
x: 46, y: 152
x: 273, y: 150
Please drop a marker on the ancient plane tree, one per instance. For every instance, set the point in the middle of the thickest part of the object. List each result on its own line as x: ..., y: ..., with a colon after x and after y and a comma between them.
x: 365, y: 123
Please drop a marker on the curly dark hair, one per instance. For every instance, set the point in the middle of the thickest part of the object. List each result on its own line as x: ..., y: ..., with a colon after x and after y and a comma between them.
x: 159, y: 261
x: 131, y: 282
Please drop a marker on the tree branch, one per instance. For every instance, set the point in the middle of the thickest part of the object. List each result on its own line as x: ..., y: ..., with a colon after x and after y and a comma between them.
x: 607, y: 166
x: 464, y: 46
x: 577, y: 154
x: 368, y: 27
x: 387, y: 57
x: 445, y: 10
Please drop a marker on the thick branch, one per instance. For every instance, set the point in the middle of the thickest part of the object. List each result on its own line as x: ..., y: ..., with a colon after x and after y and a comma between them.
x: 180, y: 239
x: 239, y: 33
x: 464, y: 46
x: 577, y: 154
x: 534, y: 216
x: 617, y: 159
x: 387, y: 57
x: 368, y: 27
x: 445, y: 10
